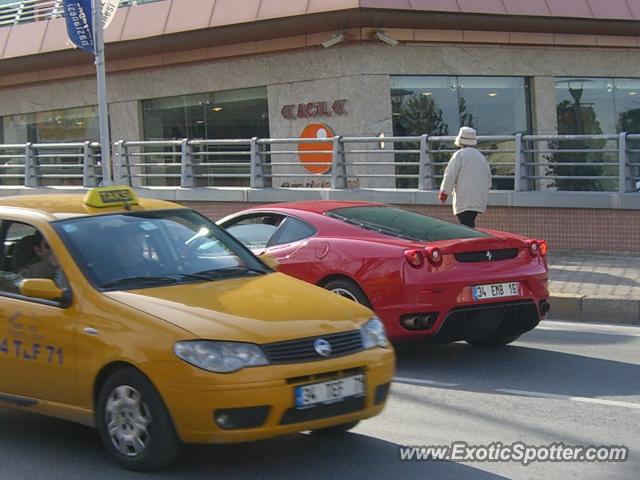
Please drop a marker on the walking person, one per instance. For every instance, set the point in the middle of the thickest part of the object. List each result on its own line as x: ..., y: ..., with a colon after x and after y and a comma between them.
x: 468, y: 178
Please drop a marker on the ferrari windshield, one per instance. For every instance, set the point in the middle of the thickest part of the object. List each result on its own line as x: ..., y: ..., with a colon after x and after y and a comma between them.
x: 403, y: 223
x: 145, y: 249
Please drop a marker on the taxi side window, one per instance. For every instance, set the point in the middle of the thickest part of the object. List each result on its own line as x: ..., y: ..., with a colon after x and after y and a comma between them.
x: 26, y: 254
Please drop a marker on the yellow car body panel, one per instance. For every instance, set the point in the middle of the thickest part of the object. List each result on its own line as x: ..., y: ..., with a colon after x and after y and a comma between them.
x: 53, y: 358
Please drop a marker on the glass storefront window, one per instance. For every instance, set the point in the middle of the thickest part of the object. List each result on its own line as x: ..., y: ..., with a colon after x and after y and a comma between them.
x: 592, y: 106
x: 55, y: 126
x: 440, y: 105
x: 230, y: 114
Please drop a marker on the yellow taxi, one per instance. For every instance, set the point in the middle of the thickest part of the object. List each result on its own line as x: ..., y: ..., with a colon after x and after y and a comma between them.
x: 146, y: 320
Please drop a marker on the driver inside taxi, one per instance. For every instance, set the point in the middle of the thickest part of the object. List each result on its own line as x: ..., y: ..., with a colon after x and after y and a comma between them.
x: 46, y: 266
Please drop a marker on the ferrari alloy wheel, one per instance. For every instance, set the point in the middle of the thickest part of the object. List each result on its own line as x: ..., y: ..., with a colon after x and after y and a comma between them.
x: 348, y: 289
x: 133, y: 423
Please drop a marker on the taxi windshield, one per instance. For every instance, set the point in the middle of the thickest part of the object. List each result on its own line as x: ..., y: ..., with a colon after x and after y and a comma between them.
x: 148, y: 249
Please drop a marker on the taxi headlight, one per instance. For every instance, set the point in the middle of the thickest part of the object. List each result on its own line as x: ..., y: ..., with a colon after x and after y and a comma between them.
x: 373, y: 334
x: 220, y: 357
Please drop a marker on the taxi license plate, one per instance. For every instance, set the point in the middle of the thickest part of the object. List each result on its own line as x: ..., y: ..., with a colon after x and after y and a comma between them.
x: 329, y: 392
x: 496, y: 290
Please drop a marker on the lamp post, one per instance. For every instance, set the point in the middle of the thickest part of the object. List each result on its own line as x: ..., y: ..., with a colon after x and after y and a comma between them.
x: 103, y: 112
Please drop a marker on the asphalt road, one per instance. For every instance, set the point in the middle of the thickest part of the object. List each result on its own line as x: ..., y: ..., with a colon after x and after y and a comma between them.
x: 570, y: 383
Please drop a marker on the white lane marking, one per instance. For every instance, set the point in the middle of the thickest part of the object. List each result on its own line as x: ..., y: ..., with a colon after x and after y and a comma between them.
x: 418, y: 381
x: 526, y: 393
x: 625, y: 330
x: 600, y: 401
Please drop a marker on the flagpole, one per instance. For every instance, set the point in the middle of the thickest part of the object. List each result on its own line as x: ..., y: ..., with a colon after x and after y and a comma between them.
x: 103, y: 113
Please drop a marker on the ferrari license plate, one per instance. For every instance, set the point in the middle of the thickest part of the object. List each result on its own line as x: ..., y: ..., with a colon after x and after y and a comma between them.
x: 329, y: 392
x: 496, y: 290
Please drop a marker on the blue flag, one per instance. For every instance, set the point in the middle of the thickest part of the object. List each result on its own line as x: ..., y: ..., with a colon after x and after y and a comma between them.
x: 79, y: 17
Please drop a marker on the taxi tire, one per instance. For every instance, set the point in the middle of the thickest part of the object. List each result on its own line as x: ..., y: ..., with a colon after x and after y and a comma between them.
x: 493, y: 341
x: 336, y: 429
x: 350, y: 287
x: 164, y: 444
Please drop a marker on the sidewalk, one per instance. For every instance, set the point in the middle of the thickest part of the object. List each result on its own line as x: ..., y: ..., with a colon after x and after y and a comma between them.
x: 590, y: 287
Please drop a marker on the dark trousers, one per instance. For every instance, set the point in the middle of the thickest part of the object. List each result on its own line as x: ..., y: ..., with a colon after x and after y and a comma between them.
x: 468, y: 218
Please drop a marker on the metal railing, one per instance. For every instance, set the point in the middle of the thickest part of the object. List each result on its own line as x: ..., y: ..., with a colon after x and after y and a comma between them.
x: 36, y: 10
x: 609, y: 163
x: 50, y: 164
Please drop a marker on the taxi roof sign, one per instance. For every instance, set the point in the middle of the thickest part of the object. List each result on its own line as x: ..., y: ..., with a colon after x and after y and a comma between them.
x: 111, y: 196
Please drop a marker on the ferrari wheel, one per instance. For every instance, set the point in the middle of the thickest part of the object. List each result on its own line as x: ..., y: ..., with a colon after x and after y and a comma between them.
x: 348, y: 289
x: 133, y: 422
x: 492, y: 341
x: 337, y: 429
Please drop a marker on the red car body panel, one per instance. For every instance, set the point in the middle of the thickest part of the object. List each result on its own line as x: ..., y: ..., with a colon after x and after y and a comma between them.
x: 376, y: 263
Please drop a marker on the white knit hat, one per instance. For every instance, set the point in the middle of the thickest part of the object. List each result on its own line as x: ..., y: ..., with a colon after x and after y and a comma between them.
x: 466, y: 136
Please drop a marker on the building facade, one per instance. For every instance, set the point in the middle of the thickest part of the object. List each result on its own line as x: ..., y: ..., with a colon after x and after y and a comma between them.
x: 221, y: 69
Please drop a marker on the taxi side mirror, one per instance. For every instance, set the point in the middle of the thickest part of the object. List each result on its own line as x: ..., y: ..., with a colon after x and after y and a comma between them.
x: 44, y: 288
x: 269, y: 260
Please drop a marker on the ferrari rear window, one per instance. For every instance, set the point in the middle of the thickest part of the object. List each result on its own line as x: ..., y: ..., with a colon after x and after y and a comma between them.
x: 403, y: 223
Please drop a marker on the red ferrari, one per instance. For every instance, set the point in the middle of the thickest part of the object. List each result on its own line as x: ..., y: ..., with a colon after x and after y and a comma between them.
x: 423, y: 277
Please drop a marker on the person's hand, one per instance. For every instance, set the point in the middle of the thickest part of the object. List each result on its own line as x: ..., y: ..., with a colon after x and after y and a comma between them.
x: 443, y: 197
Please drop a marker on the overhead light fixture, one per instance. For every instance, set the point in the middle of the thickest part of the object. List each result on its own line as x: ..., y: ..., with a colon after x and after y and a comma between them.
x: 426, y: 94
x: 633, y: 93
x: 333, y: 39
x: 492, y: 94
x: 383, y: 37
x: 216, y: 109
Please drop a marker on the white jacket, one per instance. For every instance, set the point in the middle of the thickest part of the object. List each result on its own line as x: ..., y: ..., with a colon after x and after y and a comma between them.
x: 468, y: 177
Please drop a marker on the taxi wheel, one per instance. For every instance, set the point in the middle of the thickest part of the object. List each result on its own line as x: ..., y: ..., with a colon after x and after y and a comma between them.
x: 134, y: 424
x: 347, y: 289
x: 336, y: 429
x: 493, y: 341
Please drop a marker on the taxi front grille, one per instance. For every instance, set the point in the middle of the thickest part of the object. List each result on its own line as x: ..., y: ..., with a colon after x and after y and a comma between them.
x: 303, y: 350
x: 350, y: 405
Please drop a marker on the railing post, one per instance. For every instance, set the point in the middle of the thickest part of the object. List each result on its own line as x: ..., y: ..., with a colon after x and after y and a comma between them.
x: 57, y: 9
x: 30, y: 177
x: 520, y: 177
x: 88, y: 166
x: 19, y: 11
x: 338, y: 165
x: 186, y: 164
x: 425, y: 167
x: 118, y: 165
x: 257, y: 169
x: 624, y: 172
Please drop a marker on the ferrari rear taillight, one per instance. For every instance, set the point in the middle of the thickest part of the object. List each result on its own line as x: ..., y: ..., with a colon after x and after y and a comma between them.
x: 434, y: 256
x: 544, y: 248
x: 537, y: 247
x: 414, y: 258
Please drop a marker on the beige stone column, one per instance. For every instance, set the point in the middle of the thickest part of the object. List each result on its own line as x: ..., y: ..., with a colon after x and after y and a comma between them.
x: 125, y: 120
x: 366, y: 113
x: 544, y: 120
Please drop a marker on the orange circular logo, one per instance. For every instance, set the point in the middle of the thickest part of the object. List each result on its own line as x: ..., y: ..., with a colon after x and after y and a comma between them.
x: 311, y: 154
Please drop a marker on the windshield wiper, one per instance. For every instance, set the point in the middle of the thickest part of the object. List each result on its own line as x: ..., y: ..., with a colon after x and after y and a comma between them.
x: 139, y: 279
x: 218, y: 273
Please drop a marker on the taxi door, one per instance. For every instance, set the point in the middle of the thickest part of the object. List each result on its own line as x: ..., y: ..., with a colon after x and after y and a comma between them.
x: 37, y: 337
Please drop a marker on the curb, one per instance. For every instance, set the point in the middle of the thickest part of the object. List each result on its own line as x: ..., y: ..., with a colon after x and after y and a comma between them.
x: 586, y: 309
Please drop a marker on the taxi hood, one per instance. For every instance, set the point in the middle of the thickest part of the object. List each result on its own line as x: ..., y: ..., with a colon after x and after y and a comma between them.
x: 257, y: 309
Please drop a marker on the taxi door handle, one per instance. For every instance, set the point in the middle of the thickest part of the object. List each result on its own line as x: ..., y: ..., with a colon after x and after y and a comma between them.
x: 90, y: 330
